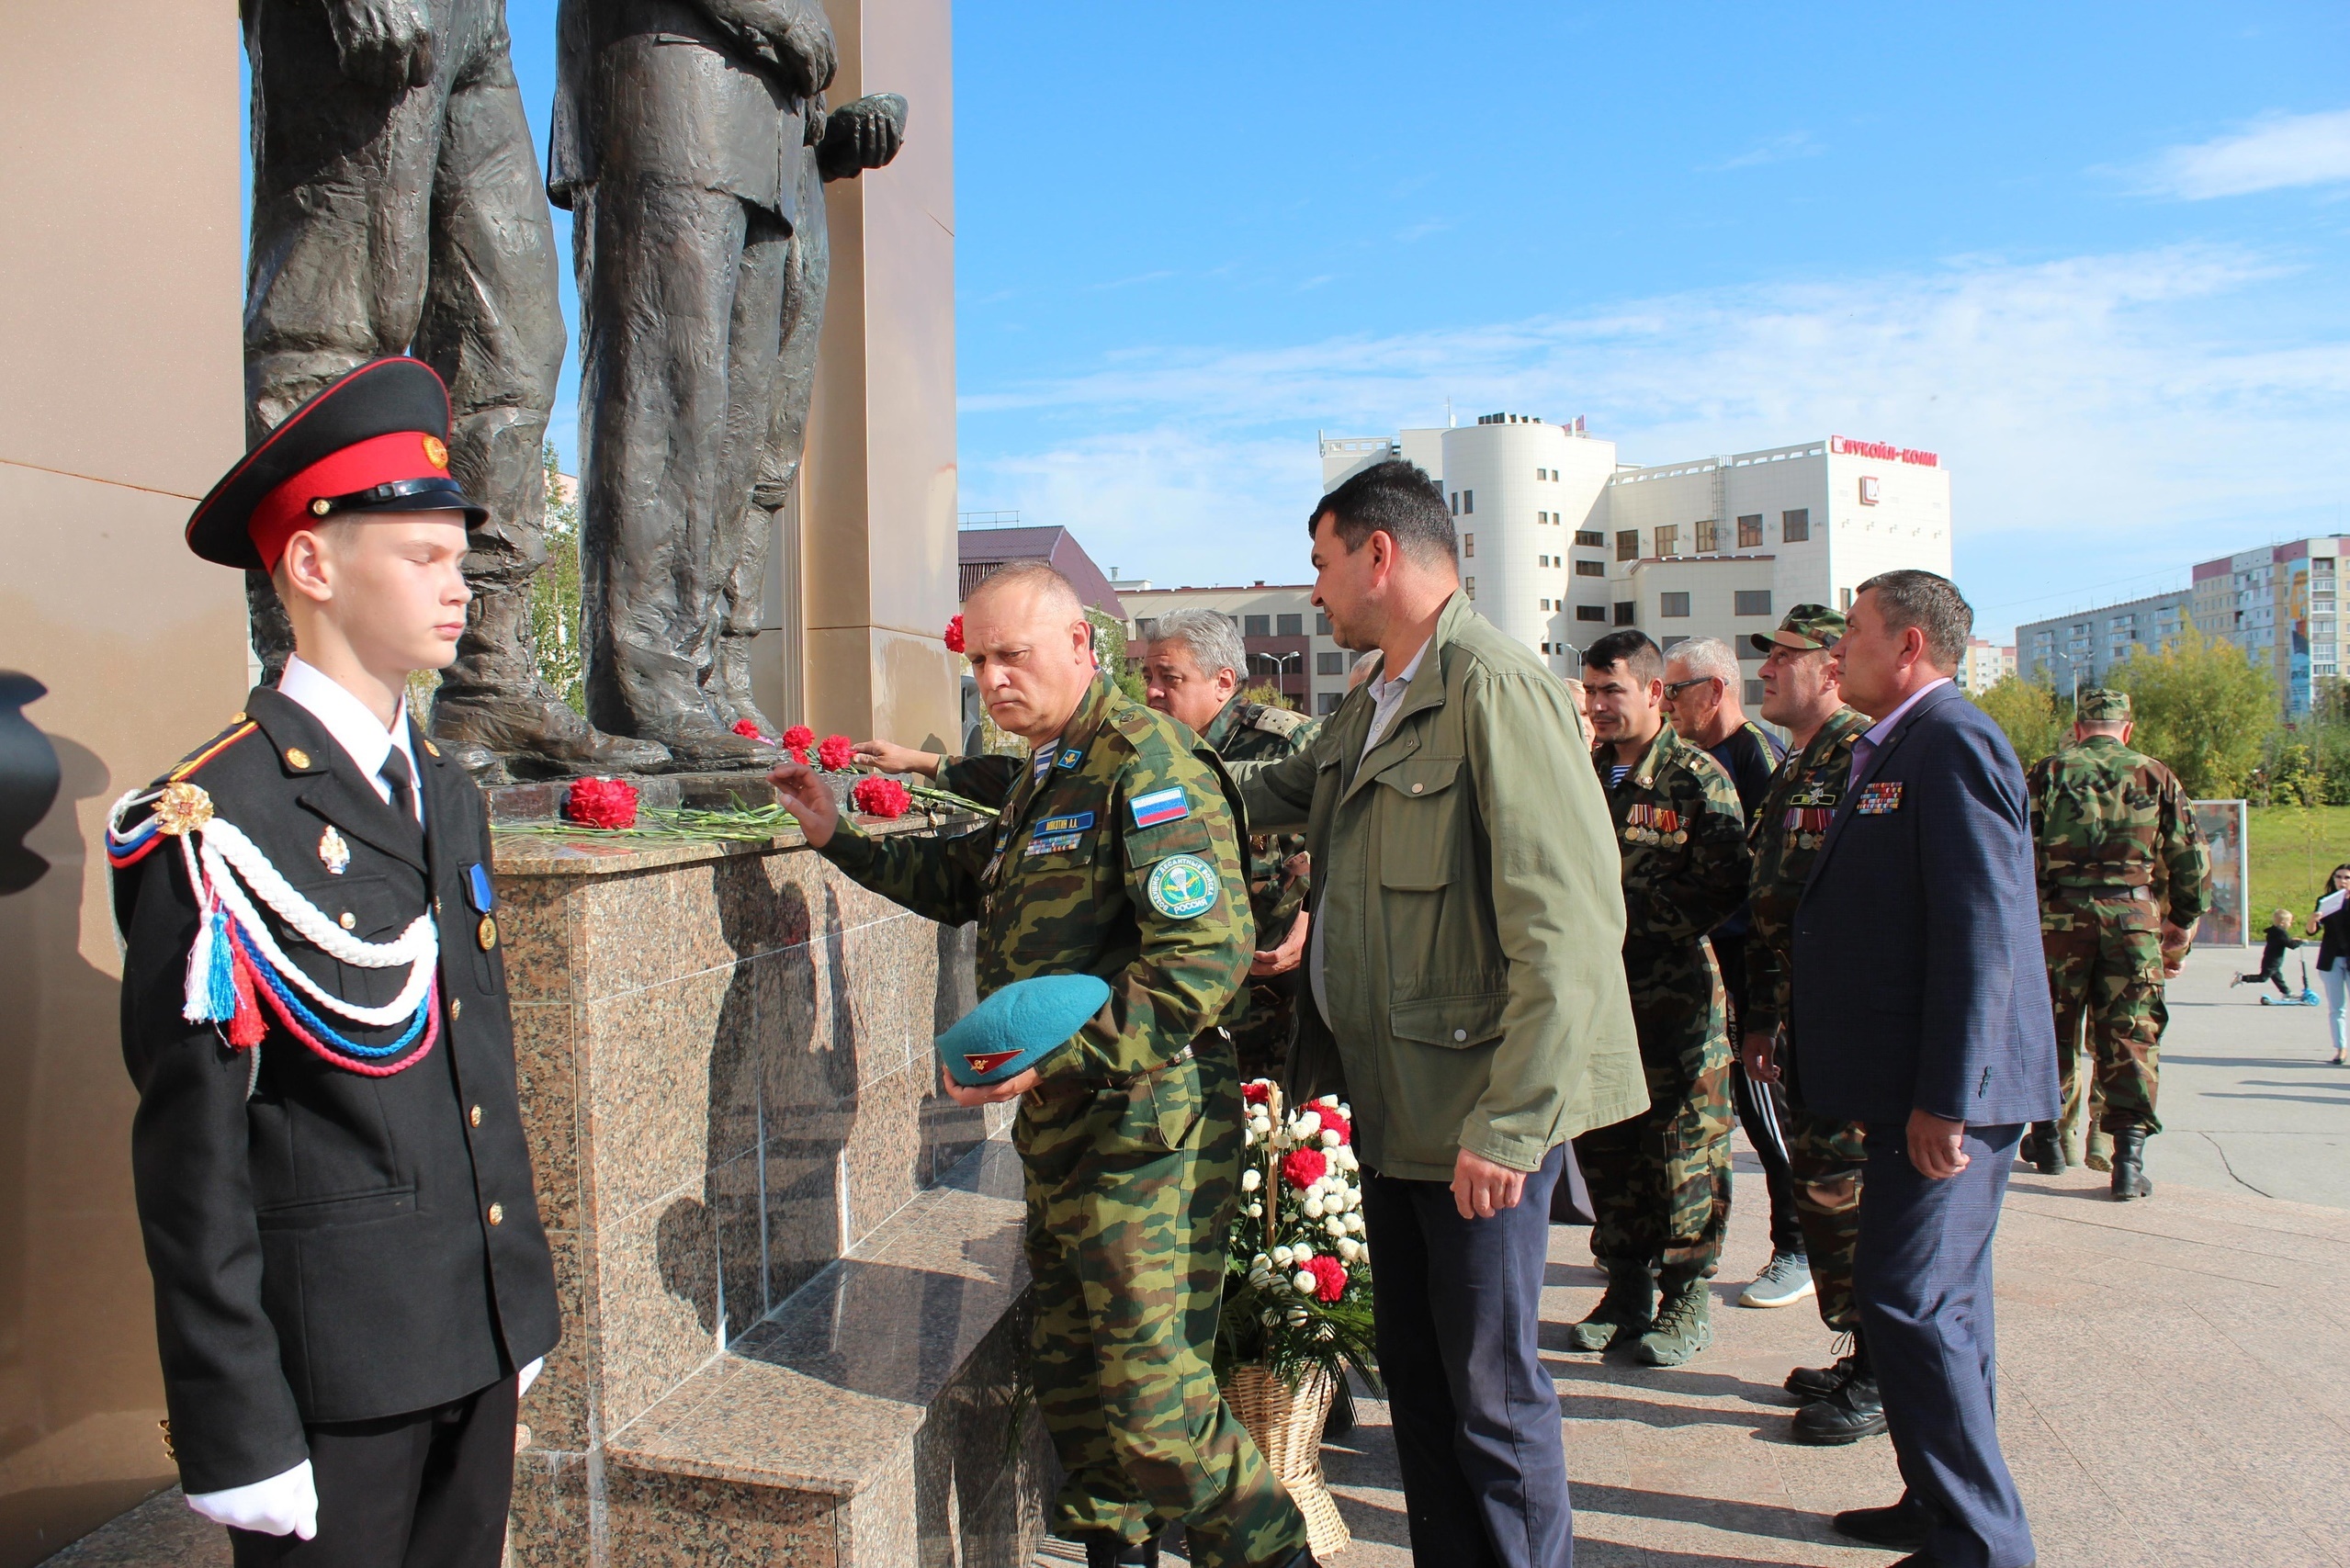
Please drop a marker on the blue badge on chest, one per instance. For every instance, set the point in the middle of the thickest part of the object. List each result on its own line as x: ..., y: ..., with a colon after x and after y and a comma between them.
x: 1072, y: 822
x: 1068, y: 760
x: 479, y: 891
x: 1878, y: 799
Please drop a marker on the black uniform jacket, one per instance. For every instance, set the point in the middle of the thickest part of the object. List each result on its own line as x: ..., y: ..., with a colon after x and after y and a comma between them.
x: 322, y: 1250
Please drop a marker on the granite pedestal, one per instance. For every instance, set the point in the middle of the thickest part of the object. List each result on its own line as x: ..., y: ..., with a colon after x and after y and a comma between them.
x: 794, y: 1295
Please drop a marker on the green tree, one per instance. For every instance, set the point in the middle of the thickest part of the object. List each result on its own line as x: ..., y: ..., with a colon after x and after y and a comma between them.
x: 2203, y: 708
x: 555, y: 591
x: 2035, y: 718
x: 1110, y: 652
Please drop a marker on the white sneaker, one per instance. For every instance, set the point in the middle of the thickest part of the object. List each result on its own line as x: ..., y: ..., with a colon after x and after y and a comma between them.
x: 1785, y: 1279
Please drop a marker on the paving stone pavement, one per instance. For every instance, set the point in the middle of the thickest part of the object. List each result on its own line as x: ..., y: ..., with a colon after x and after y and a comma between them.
x: 2175, y: 1375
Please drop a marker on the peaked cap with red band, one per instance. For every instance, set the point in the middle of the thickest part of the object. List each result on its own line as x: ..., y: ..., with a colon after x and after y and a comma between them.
x: 374, y: 441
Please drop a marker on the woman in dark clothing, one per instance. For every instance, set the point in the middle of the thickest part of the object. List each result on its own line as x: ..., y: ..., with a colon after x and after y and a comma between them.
x: 2333, y: 956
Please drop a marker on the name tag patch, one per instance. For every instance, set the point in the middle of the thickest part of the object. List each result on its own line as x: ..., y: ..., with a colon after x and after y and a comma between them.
x: 1075, y: 822
x: 1878, y: 799
x: 1161, y: 806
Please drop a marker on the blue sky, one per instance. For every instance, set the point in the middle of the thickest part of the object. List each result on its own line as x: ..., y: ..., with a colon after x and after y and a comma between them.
x: 2093, y: 254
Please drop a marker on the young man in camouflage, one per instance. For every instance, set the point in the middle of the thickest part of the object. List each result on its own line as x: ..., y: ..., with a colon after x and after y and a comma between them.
x: 2124, y: 875
x: 1116, y: 855
x: 1193, y: 671
x: 1801, y: 694
x: 1660, y: 1181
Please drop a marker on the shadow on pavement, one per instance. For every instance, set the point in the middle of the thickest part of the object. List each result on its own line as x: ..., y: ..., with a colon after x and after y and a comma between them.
x: 1747, y: 1518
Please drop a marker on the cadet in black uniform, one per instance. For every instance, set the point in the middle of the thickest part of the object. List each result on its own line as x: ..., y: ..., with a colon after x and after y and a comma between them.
x: 351, y: 1282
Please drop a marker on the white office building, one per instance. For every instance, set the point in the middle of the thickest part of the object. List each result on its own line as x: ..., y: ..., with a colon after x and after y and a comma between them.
x: 1561, y: 543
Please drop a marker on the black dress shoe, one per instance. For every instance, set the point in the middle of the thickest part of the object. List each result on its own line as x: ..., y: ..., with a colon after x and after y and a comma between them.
x: 1901, y: 1528
x: 1850, y: 1414
x: 1810, y: 1383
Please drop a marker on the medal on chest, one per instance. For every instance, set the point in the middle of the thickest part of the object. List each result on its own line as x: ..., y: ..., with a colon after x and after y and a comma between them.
x: 1646, y: 824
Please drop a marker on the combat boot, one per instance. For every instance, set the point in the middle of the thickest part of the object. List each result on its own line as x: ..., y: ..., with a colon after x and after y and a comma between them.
x: 2043, y: 1149
x: 1853, y: 1412
x: 1809, y: 1383
x: 1627, y: 1308
x: 492, y: 700
x: 2129, y: 1165
x: 2100, y: 1151
x: 1684, y: 1325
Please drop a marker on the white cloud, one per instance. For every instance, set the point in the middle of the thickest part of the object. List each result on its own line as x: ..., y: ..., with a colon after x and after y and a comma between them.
x: 1778, y: 149
x: 2272, y: 153
x: 2132, y: 407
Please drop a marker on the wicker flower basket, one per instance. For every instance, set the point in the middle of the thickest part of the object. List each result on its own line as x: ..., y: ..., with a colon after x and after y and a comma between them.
x: 1286, y: 1425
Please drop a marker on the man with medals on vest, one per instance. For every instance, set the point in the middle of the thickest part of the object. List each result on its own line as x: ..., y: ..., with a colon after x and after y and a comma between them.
x: 351, y: 1287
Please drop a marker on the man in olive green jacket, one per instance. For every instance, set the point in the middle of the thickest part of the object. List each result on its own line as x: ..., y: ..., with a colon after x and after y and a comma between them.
x: 1464, y: 988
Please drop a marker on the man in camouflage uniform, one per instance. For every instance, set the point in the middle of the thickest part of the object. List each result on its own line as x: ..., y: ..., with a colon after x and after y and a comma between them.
x: 1660, y: 1182
x: 1193, y: 670
x: 1801, y: 694
x: 1116, y: 855
x: 2124, y: 875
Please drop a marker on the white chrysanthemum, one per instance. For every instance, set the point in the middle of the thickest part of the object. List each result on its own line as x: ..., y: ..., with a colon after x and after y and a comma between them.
x: 1307, y: 1123
x: 1335, y: 1225
x: 1344, y: 1157
x: 1280, y: 1256
x: 1330, y: 1100
x: 1305, y: 1282
x: 1312, y: 1208
x: 1331, y: 1137
x: 1355, y: 1225
x: 1247, y: 1137
x: 1269, y: 1318
x: 1251, y: 1179
x: 1348, y: 1250
x: 1301, y: 1253
x: 1256, y: 1211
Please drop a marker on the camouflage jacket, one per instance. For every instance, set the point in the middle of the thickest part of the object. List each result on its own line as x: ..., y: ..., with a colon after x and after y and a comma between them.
x: 1251, y: 732
x: 2105, y: 818
x: 1684, y: 846
x: 1785, y: 837
x: 1124, y: 863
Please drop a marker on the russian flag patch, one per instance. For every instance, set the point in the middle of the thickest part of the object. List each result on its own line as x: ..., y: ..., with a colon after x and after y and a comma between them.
x: 1161, y: 806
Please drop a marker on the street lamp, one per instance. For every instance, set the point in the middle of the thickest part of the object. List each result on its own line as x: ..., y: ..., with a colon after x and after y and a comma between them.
x: 1280, y: 661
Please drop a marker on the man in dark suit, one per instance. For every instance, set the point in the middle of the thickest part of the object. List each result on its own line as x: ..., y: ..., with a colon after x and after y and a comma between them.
x: 351, y: 1287
x: 1921, y: 1009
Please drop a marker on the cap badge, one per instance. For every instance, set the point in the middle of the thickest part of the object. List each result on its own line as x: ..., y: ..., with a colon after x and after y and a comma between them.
x: 436, y: 452
x: 320, y: 507
x: 332, y: 852
x: 182, y: 809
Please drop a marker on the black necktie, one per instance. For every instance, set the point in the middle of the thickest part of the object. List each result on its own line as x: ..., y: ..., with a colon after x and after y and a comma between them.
x: 395, y: 772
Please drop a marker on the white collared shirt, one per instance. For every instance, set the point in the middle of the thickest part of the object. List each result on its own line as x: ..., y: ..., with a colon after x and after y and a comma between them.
x: 354, y: 726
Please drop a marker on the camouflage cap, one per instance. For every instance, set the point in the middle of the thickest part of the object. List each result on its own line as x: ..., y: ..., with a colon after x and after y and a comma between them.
x: 2102, y: 704
x: 1806, y: 627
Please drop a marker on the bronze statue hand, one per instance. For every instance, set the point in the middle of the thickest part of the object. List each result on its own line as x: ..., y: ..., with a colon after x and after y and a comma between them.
x: 797, y: 30
x: 864, y: 135
x: 383, y: 43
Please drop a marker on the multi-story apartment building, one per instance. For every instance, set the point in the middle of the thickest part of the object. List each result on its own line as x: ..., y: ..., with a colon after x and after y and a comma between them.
x: 2277, y: 602
x: 1287, y: 639
x: 1984, y: 665
x: 1560, y: 542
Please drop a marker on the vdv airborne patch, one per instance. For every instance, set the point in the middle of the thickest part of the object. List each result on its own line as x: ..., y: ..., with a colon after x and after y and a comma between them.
x: 1183, y: 887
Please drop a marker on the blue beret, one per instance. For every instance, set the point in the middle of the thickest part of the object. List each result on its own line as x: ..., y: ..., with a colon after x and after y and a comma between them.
x: 1009, y: 1033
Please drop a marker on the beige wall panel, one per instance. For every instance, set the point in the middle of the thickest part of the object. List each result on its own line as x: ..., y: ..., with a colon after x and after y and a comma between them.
x: 120, y: 287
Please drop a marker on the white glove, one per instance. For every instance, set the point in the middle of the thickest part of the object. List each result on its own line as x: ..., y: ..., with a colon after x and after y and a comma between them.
x: 529, y: 1375
x: 283, y: 1504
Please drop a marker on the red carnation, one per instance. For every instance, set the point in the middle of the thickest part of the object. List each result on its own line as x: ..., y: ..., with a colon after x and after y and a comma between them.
x: 1258, y: 1092
x: 797, y: 740
x: 747, y: 730
x: 1329, y: 1277
x: 880, y: 797
x: 601, y: 803
x: 1302, y: 1168
x: 836, y: 752
x: 1335, y: 1120
x: 955, y: 635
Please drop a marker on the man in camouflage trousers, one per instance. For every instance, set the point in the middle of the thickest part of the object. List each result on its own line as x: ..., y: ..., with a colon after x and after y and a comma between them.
x: 2124, y: 874
x: 1118, y: 855
x: 1802, y: 694
x: 1193, y: 670
x: 1660, y: 1181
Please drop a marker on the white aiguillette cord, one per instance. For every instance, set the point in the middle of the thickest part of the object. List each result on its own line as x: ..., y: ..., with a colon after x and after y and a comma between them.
x: 226, y: 848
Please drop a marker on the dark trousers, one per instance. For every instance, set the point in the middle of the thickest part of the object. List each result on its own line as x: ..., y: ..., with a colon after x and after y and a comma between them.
x: 426, y: 1489
x: 1476, y: 1412
x: 1758, y: 1106
x: 2274, y: 973
x: 1923, y: 1276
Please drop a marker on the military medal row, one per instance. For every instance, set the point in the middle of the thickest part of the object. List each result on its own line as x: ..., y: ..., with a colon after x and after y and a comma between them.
x: 1647, y: 824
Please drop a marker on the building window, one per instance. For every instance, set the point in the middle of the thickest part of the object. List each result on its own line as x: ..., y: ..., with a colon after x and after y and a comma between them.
x: 1257, y: 625
x: 1794, y: 528
x: 1290, y: 625
x: 1147, y: 629
x: 1328, y: 663
x: 1468, y: 504
x: 1668, y: 539
x: 1709, y: 536
x: 1546, y: 604
x: 1590, y: 539
x: 1673, y: 606
x: 1541, y: 560
x: 1456, y: 504
x: 1627, y: 544
x: 1470, y: 585
x: 1752, y: 601
x: 1321, y: 624
x: 1468, y: 545
x: 1624, y: 613
x: 1845, y: 594
x: 1590, y: 612
x: 1750, y: 531
x: 1754, y: 694
x: 1327, y: 701
x: 1590, y: 569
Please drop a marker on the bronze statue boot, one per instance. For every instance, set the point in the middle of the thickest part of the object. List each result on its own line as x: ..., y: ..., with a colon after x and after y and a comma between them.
x: 538, y: 729
x: 697, y: 742
x: 730, y: 686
